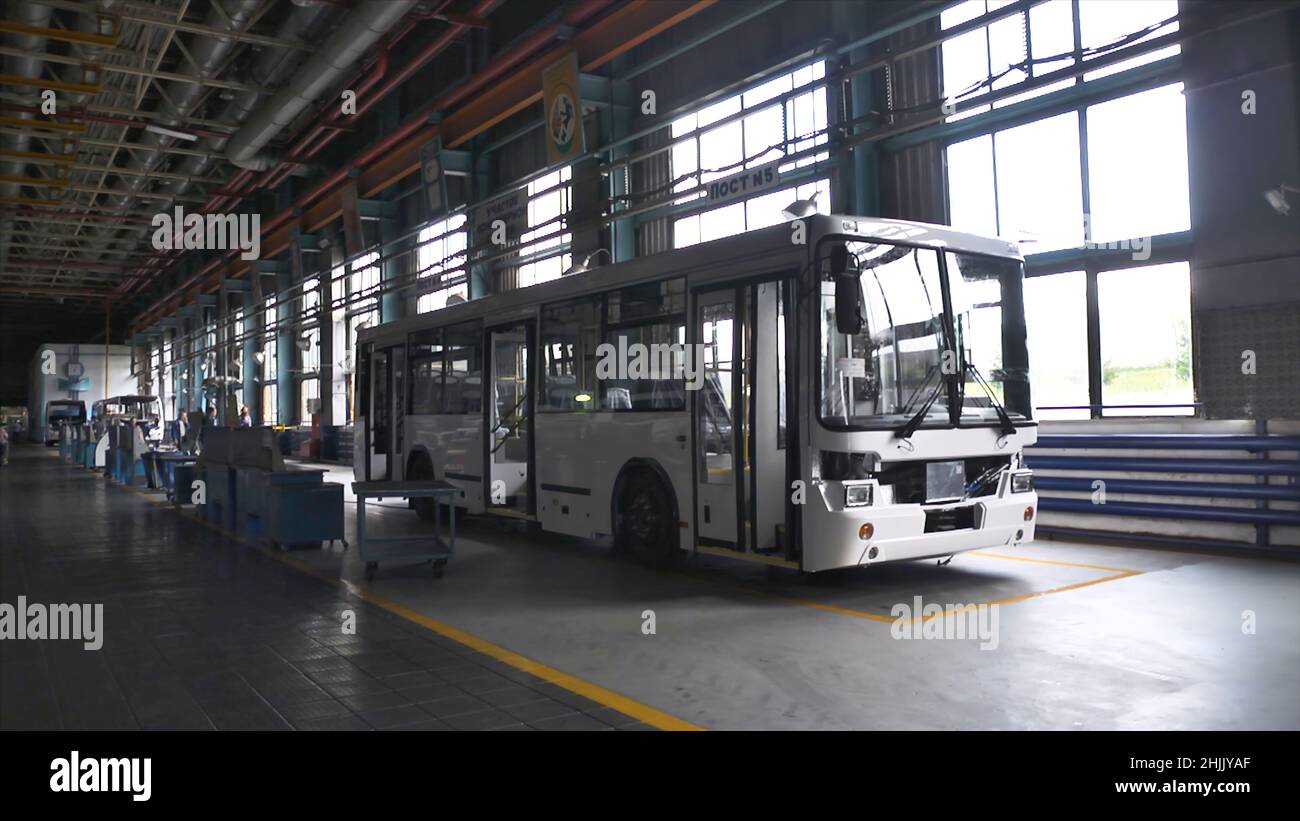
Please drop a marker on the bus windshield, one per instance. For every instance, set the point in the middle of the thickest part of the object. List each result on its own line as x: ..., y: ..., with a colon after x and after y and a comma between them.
x: 900, y: 365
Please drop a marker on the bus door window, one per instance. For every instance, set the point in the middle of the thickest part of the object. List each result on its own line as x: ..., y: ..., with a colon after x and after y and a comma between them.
x: 715, y: 440
x: 510, y: 422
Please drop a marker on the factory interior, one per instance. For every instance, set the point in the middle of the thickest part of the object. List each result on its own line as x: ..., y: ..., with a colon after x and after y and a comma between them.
x: 611, y: 365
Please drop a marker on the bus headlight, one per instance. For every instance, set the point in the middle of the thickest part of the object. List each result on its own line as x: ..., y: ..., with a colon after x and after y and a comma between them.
x: 857, y: 495
x: 1022, y: 482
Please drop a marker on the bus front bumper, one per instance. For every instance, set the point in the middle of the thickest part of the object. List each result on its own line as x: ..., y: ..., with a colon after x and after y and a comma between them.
x: 898, y: 532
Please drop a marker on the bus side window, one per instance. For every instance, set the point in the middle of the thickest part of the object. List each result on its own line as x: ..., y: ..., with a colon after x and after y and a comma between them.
x: 569, y: 332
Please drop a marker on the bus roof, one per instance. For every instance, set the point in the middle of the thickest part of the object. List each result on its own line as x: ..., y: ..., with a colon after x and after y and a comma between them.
x: 764, y: 249
x: 924, y: 234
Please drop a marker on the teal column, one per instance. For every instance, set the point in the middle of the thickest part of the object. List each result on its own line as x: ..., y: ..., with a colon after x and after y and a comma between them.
x: 248, y: 348
x: 286, y: 353
x: 390, y: 304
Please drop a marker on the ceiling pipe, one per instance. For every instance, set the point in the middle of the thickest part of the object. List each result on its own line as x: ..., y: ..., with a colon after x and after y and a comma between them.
x: 358, y: 32
x: 268, y: 70
x: 175, y: 104
x: 328, y: 128
x: 580, y: 12
x: 33, y: 14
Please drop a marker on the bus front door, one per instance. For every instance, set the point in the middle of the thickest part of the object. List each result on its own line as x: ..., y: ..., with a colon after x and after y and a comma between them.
x: 384, y: 414
x: 740, y: 416
x: 509, y: 419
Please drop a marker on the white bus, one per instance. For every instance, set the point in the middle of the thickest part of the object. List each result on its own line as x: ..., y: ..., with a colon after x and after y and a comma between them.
x: 861, y: 397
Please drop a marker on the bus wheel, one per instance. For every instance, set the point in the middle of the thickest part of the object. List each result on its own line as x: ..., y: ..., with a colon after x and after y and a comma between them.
x: 644, y: 521
x: 422, y: 471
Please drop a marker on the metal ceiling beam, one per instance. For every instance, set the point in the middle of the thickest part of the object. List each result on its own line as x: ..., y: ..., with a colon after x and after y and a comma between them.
x: 115, y: 68
x: 43, y: 159
x: 82, y: 37
x: 607, y: 38
x: 75, y: 249
x: 43, y: 82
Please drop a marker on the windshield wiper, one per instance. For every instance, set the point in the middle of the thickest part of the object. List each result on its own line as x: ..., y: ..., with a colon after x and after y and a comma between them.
x: 1008, y: 427
x: 906, y: 430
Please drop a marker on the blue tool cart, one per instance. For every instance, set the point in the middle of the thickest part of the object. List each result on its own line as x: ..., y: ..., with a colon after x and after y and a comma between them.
x: 426, y: 547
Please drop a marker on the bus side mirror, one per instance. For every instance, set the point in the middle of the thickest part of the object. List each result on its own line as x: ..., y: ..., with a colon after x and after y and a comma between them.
x: 848, y: 293
x: 848, y: 305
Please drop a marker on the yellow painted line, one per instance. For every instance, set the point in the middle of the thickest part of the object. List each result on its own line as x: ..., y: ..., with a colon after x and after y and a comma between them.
x: 600, y: 695
x: 1054, y: 561
x: 1025, y: 596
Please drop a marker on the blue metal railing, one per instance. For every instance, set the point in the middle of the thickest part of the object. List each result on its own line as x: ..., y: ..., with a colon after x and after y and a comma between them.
x: 1261, y: 462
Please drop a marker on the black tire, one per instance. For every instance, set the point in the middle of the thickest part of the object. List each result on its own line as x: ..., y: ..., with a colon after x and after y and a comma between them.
x: 422, y: 471
x: 645, y: 527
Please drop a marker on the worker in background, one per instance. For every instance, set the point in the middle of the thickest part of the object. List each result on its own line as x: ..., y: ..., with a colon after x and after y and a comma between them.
x: 245, y: 419
x: 212, y: 416
x: 4, y: 445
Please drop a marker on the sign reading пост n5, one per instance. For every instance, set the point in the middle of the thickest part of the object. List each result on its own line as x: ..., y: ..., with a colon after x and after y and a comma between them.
x: 746, y: 183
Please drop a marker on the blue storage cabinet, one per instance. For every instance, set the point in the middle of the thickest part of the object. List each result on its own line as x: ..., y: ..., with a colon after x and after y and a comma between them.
x: 221, y: 492
x: 289, y: 507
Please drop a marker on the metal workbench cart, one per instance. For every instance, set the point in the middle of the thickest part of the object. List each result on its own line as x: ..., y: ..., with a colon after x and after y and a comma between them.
x: 428, y: 546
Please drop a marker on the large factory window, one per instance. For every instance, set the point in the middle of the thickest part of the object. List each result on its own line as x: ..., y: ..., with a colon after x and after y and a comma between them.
x: 769, y: 132
x: 442, y: 248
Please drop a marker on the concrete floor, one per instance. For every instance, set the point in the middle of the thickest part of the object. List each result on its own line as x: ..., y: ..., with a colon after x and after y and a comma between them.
x: 1090, y: 637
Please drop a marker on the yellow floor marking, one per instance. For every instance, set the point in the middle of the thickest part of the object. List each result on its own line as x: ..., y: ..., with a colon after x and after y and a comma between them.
x: 608, y: 698
x: 1106, y: 568
x: 1116, y: 573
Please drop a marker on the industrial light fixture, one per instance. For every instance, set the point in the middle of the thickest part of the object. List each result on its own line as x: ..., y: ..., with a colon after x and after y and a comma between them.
x: 1276, y: 198
x: 801, y: 208
x: 167, y: 132
x: 585, y: 264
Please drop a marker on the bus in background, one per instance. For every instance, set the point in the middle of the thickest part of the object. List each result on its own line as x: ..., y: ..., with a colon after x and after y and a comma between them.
x: 144, y: 411
x: 60, y: 411
x: 858, y: 397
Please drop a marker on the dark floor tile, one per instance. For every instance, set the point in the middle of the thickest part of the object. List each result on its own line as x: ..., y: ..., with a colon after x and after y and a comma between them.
x: 430, y: 692
x: 297, y: 714
x: 336, y: 723
x: 429, y: 724
x: 535, y: 710
x: 510, y: 695
x: 364, y: 702
x: 490, y: 719
x: 454, y: 705
x: 394, y: 717
x: 574, y: 721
